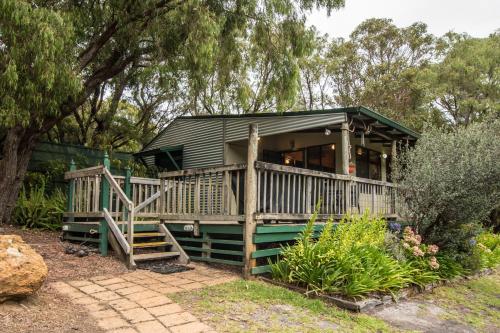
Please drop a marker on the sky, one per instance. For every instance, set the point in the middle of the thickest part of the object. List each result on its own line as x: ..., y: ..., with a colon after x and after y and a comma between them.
x: 478, y: 18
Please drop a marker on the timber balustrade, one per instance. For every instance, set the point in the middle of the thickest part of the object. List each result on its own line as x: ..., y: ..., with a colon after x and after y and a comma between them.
x: 283, y: 193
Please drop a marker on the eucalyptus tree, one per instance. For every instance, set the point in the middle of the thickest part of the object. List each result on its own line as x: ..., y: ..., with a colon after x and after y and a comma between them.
x: 55, y: 54
x: 466, y: 81
x: 380, y: 67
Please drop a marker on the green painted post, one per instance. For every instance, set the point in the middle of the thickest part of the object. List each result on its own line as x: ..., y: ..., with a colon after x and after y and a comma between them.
x: 127, y: 190
x: 71, y: 191
x: 103, y: 226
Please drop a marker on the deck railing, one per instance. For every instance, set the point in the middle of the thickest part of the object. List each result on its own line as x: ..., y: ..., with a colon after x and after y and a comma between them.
x: 283, y: 193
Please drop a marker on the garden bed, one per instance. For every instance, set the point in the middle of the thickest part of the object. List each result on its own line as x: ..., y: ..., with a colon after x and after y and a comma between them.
x: 367, y: 304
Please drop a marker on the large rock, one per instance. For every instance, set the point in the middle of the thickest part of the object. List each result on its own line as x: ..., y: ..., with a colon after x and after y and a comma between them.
x: 22, y: 270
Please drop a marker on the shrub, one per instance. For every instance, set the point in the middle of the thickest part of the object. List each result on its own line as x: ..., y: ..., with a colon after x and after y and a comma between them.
x: 349, y: 259
x: 36, y: 209
x: 487, y: 248
x: 450, y: 182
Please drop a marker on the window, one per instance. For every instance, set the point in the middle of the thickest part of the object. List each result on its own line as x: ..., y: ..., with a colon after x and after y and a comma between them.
x: 294, y: 158
x: 321, y: 158
x: 368, y: 163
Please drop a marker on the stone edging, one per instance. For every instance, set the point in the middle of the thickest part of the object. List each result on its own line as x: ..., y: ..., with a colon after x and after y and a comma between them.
x: 369, y: 303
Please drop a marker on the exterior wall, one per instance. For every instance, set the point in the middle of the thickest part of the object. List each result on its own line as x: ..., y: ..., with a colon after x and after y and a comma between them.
x: 202, y: 141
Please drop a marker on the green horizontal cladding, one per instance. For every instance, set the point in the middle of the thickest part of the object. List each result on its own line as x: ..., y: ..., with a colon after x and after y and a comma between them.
x: 261, y: 269
x: 217, y: 261
x: 272, y: 229
x: 211, y: 240
x: 217, y: 251
x: 278, y: 237
x: 266, y: 253
x: 210, y: 228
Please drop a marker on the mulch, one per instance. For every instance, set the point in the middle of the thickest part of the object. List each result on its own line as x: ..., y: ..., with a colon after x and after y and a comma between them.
x: 48, y: 311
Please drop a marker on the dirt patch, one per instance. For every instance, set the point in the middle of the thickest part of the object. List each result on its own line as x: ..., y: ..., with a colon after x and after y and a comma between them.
x: 66, y: 266
x: 48, y: 311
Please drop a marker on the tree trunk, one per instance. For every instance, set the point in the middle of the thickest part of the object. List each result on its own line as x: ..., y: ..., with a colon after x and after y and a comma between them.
x: 16, y: 153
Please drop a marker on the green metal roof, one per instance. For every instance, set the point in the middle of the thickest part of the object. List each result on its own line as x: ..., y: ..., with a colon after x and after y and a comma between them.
x: 348, y: 110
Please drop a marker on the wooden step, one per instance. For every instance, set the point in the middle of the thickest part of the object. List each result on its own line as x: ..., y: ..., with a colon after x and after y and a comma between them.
x: 151, y: 244
x: 146, y: 234
x: 153, y: 256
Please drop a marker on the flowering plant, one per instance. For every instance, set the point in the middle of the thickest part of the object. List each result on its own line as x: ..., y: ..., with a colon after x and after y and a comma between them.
x: 417, y: 252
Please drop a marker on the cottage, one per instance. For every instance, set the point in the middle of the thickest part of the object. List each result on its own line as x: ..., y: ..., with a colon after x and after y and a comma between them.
x: 231, y: 188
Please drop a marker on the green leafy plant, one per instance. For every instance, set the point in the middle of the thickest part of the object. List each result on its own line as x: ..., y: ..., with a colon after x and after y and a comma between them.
x: 348, y: 258
x: 36, y: 209
x: 487, y: 248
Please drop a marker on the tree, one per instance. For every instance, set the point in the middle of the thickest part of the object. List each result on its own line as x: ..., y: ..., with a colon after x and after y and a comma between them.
x: 55, y: 54
x: 450, y: 183
x: 466, y: 82
x: 379, y: 67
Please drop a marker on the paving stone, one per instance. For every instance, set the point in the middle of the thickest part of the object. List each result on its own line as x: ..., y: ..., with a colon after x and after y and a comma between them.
x: 123, y: 304
x: 130, y: 290
x: 142, y: 295
x: 63, y: 288
x: 126, y: 284
x: 154, y: 301
x: 199, y: 277
x: 85, y: 300
x: 124, y: 330
x: 112, y: 323
x: 104, y: 314
x: 175, y: 319
x: 106, y: 296
x: 110, y: 281
x: 171, y: 290
x: 191, y: 286
x: 178, y: 282
x: 195, y: 327
x: 92, y: 289
x: 153, y: 326
x: 165, y: 309
x: 80, y: 283
x: 92, y: 307
x: 137, y: 315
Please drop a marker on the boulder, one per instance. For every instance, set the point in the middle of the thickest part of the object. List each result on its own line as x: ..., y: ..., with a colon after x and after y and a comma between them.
x: 22, y: 270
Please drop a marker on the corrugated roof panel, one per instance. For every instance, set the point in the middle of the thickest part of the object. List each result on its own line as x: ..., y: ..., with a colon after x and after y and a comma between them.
x: 237, y: 128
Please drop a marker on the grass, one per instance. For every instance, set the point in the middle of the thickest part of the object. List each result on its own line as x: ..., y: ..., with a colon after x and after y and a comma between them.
x: 254, y: 306
x: 475, y: 302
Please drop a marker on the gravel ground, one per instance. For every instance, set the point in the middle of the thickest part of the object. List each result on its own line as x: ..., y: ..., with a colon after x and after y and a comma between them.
x: 47, y: 311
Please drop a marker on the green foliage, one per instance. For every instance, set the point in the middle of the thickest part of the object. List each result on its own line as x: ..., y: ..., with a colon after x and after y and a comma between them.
x: 349, y: 258
x: 487, y: 249
x: 450, y: 183
x: 465, y: 84
x: 36, y: 73
x: 37, y: 210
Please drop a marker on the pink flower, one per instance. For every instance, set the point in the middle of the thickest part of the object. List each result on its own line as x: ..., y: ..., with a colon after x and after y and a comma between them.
x: 433, y: 249
x: 417, y: 239
x: 433, y: 263
x: 406, y: 245
x: 417, y: 252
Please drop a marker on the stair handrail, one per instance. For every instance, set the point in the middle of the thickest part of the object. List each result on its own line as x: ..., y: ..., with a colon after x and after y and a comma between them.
x: 130, y: 216
x: 116, y: 231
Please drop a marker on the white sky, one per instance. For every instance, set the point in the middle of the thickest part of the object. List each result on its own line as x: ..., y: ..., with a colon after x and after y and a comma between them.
x: 478, y: 18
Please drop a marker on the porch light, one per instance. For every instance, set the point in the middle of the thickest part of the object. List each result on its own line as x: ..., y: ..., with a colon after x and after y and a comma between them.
x: 384, y: 155
x: 359, y: 151
x: 287, y: 160
x: 333, y: 146
x: 328, y: 131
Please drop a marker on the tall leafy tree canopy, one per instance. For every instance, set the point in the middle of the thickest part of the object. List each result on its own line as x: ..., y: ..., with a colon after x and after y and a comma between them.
x: 55, y: 54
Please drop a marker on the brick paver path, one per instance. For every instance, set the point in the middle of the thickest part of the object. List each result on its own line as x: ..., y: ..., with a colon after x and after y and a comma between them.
x: 138, y: 302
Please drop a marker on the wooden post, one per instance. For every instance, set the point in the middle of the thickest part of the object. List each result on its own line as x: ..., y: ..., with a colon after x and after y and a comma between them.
x: 345, y: 148
x: 250, y: 200
x: 394, y: 150
x: 71, y: 191
x: 128, y: 191
x: 103, y: 225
